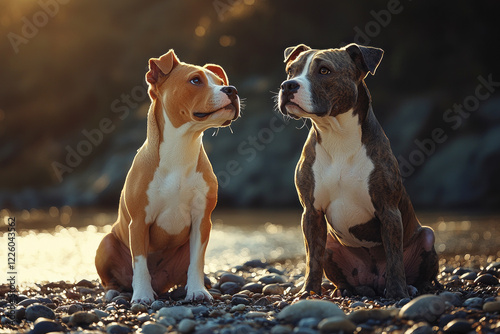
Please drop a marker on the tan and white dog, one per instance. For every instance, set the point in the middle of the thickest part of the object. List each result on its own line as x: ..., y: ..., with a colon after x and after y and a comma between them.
x: 164, y: 218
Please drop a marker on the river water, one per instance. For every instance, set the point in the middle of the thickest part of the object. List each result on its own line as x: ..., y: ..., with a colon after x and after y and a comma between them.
x: 60, y: 243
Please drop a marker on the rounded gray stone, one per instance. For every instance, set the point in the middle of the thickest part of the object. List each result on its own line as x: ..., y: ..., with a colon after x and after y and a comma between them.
x: 186, y: 326
x: 273, y: 289
x: 451, y: 298
x: 110, y: 295
x: 176, y: 312
x: 36, y: 311
x: 310, y: 308
x: 153, y: 328
x: 83, y: 318
x: 336, y: 324
x: 426, y: 307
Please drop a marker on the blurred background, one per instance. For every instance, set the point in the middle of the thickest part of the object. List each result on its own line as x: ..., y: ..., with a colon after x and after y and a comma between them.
x: 73, y: 100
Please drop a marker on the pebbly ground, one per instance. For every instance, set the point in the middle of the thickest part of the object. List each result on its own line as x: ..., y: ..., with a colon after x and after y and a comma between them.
x: 259, y: 297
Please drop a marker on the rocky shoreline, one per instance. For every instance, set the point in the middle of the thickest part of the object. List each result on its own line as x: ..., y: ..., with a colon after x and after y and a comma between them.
x: 258, y: 297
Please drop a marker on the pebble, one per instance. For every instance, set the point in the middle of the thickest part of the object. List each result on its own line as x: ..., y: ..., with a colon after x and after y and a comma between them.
x: 255, y: 314
x: 493, y: 266
x: 486, y: 279
x: 143, y: 317
x: 309, y: 308
x: 304, y: 330
x: 75, y: 308
x: 263, y: 301
x: 238, y: 308
x: 473, y: 303
x: 281, y: 329
x: 426, y: 307
x: 19, y: 313
x: 458, y: 326
x: 272, y: 278
x: 363, y: 315
x: 309, y: 322
x: 273, y: 289
x: 153, y: 328
x: 100, y: 314
x: 28, y: 302
x: 230, y: 288
x: 228, y: 277
x: 451, y: 298
x: 420, y: 328
x: 176, y: 312
x: 492, y: 306
x: 187, y: 326
x: 44, y: 325
x: 117, y: 328
x: 460, y: 271
x: 336, y: 324
x: 157, y: 304
x: 200, y: 310
x: 358, y: 304
x: 255, y: 264
x: 138, y: 308
x: 470, y: 276
x: 403, y: 302
x: 253, y: 287
x: 83, y: 318
x: 240, y: 300
x: 36, y: 311
x: 110, y: 295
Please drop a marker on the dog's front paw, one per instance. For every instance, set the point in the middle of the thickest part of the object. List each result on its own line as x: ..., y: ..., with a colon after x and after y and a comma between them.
x: 198, y: 295
x: 143, y: 295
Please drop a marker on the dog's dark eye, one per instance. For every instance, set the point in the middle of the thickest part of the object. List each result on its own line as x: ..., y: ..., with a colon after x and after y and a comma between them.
x: 195, y: 81
x: 324, y: 71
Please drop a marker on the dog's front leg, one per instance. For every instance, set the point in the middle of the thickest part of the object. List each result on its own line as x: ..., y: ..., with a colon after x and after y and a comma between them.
x: 392, y: 239
x: 314, y: 229
x: 198, y: 240
x: 141, y: 279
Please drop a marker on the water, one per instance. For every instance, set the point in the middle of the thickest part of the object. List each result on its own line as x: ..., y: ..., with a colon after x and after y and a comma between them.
x: 60, y: 244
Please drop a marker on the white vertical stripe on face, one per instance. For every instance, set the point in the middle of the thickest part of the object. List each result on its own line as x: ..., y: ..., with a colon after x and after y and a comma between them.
x: 303, y: 96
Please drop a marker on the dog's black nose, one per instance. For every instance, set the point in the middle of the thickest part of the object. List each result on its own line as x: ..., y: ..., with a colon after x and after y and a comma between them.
x: 290, y: 86
x: 231, y: 91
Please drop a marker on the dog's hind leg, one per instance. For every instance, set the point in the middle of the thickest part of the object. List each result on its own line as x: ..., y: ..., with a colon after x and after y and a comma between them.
x: 113, y: 264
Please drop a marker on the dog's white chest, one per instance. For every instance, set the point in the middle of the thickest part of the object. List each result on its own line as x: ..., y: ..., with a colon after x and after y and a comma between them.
x: 342, y: 190
x: 174, y: 198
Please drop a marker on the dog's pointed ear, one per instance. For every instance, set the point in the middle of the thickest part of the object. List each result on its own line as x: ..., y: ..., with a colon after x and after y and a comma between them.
x: 293, y: 52
x: 366, y: 58
x: 218, y: 71
x: 162, y: 66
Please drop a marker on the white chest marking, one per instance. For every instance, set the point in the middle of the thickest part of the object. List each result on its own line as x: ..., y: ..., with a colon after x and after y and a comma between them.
x: 177, y: 192
x: 342, y: 170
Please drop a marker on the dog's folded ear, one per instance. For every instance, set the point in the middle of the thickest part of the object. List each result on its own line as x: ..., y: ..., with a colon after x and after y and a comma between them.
x: 294, y: 51
x: 218, y: 71
x: 162, y: 66
x: 366, y: 58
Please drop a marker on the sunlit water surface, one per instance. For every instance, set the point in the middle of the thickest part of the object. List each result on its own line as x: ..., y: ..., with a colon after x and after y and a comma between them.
x: 66, y: 251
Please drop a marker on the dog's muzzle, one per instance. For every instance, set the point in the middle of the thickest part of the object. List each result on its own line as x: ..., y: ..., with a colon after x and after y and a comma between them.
x: 287, y: 89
